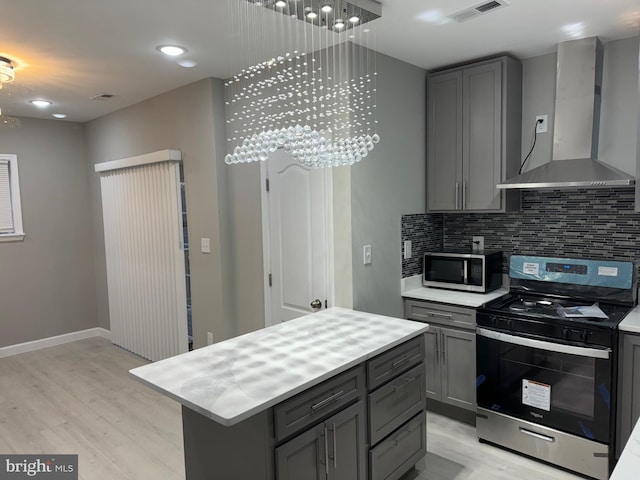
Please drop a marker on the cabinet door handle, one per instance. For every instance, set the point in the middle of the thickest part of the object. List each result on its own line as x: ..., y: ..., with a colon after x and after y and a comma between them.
x: 326, y: 452
x: 335, y: 446
x: 407, y: 382
x: 464, y: 195
x: 444, y: 347
x: 437, y: 346
x: 457, y: 195
x: 332, y: 398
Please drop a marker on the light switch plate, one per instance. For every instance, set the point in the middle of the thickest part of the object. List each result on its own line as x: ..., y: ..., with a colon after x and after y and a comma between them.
x: 367, y: 254
x: 205, y: 245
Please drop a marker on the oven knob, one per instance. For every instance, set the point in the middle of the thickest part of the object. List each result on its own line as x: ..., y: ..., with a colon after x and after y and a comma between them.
x: 585, y: 336
x: 565, y: 333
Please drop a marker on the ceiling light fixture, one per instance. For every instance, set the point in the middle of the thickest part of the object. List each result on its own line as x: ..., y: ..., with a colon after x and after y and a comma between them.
x: 172, y: 50
x: 187, y: 63
x: 281, y: 4
x: 316, y: 99
x: 354, y: 19
x: 326, y: 8
x: 59, y: 115
x: 40, y: 103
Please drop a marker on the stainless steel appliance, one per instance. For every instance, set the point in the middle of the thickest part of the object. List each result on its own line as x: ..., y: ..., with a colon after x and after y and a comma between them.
x: 457, y: 270
x: 546, y: 360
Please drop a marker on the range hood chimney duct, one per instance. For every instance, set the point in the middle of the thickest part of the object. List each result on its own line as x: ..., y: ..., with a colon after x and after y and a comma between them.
x: 574, y: 162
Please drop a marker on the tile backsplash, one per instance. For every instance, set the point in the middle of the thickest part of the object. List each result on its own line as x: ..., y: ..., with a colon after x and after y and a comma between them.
x: 593, y: 223
x: 425, y: 232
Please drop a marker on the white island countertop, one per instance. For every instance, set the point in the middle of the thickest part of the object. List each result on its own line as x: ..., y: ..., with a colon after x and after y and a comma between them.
x: 629, y: 462
x: 240, y: 377
x: 631, y: 323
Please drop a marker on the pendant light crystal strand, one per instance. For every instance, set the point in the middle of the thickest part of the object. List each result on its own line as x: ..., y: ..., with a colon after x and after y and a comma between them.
x: 309, y: 88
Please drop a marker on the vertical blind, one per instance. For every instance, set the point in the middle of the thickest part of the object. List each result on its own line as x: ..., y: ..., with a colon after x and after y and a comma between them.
x: 142, y: 217
x: 6, y: 211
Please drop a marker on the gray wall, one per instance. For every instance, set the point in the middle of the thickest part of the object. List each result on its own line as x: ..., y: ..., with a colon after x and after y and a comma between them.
x: 186, y: 119
x: 619, y: 108
x: 46, y: 281
x: 390, y: 182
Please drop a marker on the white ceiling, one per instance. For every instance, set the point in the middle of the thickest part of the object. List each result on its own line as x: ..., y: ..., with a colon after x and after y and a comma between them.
x: 68, y: 51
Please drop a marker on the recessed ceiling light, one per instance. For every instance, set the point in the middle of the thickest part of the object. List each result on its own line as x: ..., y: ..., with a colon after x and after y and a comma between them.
x: 172, y: 50
x: 59, y: 115
x: 41, y: 103
x: 281, y: 4
x: 355, y: 19
x: 187, y: 63
x: 312, y: 15
x: 338, y: 24
x: 326, y: 8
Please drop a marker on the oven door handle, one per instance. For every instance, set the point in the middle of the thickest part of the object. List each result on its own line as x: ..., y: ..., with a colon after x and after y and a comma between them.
x: 604, y: 353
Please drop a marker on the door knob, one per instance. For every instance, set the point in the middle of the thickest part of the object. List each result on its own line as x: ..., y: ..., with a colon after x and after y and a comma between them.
x: 316, y: 304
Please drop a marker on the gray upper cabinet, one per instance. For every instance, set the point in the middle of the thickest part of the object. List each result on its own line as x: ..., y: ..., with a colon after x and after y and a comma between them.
x: 473, y: 136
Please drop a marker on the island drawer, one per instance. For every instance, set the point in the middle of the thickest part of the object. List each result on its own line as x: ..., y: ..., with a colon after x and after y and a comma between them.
x: 396, y: 402
x: 442, y: 314
x: 317, y: 403
x: 394, y: 456
x: 389, y: 364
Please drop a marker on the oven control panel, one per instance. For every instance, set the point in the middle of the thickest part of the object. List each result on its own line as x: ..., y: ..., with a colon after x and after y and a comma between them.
x: 567, y: 268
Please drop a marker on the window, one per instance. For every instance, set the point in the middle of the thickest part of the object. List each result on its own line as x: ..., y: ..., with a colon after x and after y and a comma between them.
x: 10, y: 211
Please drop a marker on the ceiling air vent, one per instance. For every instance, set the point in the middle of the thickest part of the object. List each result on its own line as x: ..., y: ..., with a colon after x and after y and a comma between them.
x: 477, y: 10
x: 103, y: 97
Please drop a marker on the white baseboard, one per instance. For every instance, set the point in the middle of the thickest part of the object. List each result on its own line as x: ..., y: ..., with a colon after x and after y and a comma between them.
x: 53, y: 341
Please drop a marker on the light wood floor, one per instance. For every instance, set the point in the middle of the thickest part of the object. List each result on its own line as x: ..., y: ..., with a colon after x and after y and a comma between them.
x: 79, y: 398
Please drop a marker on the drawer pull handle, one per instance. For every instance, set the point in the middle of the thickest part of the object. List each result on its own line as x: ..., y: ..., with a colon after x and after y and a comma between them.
x: 441, y: 315
x: 317, y: 406
x: 397, y: 440
x: 540, y: 436
x: 407, y: 382
x: 397, y: 363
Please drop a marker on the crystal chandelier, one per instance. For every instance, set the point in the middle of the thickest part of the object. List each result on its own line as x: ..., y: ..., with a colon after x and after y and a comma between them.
x: 316, y: 96
x: 6, y: 71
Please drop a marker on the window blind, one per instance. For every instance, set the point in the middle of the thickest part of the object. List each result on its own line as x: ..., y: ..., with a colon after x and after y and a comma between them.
x: 6, y: 213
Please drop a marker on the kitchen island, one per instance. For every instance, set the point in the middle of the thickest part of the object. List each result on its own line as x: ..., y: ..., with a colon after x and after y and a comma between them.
x: 339, y: 391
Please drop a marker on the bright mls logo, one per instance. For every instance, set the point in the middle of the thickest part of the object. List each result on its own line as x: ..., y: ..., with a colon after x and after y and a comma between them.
x: 50, y: 467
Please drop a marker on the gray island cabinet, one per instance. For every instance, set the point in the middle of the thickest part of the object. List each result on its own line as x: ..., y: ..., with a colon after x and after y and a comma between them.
x: 336, y: 395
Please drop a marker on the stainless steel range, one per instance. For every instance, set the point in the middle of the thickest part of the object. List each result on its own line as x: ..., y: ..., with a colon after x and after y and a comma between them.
x: 546, y: 360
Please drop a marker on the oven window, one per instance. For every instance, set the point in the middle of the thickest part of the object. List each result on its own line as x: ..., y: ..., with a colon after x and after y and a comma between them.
x: 571, y: 393
x: 549, y: 380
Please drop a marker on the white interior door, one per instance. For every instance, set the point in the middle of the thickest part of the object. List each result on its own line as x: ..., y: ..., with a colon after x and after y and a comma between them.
x: 299, y: 250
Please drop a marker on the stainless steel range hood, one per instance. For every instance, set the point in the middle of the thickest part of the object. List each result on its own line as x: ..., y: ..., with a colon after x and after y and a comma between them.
x: 574, y: 162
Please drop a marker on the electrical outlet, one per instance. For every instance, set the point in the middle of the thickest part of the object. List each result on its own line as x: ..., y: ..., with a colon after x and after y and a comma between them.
x: 407, y: 249
x: 209, y: 338
x: 541, y: 126
x: 367, y: 254
x: 478, y: 244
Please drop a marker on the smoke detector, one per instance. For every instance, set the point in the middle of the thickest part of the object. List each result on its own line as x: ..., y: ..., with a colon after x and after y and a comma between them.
x: 477, y: 10
x: 103, y: 97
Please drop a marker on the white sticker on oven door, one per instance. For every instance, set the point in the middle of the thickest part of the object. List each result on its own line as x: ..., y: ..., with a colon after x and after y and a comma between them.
x: 536, y: 394
x: 608, y: 271
x: 530, y: 268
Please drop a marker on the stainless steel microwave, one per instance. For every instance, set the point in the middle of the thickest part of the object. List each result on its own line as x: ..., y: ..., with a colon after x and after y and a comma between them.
x: 471, y: 272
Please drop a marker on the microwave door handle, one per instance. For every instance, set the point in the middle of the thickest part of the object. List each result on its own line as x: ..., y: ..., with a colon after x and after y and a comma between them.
x: 465, y: 268
x: 604, y: 353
